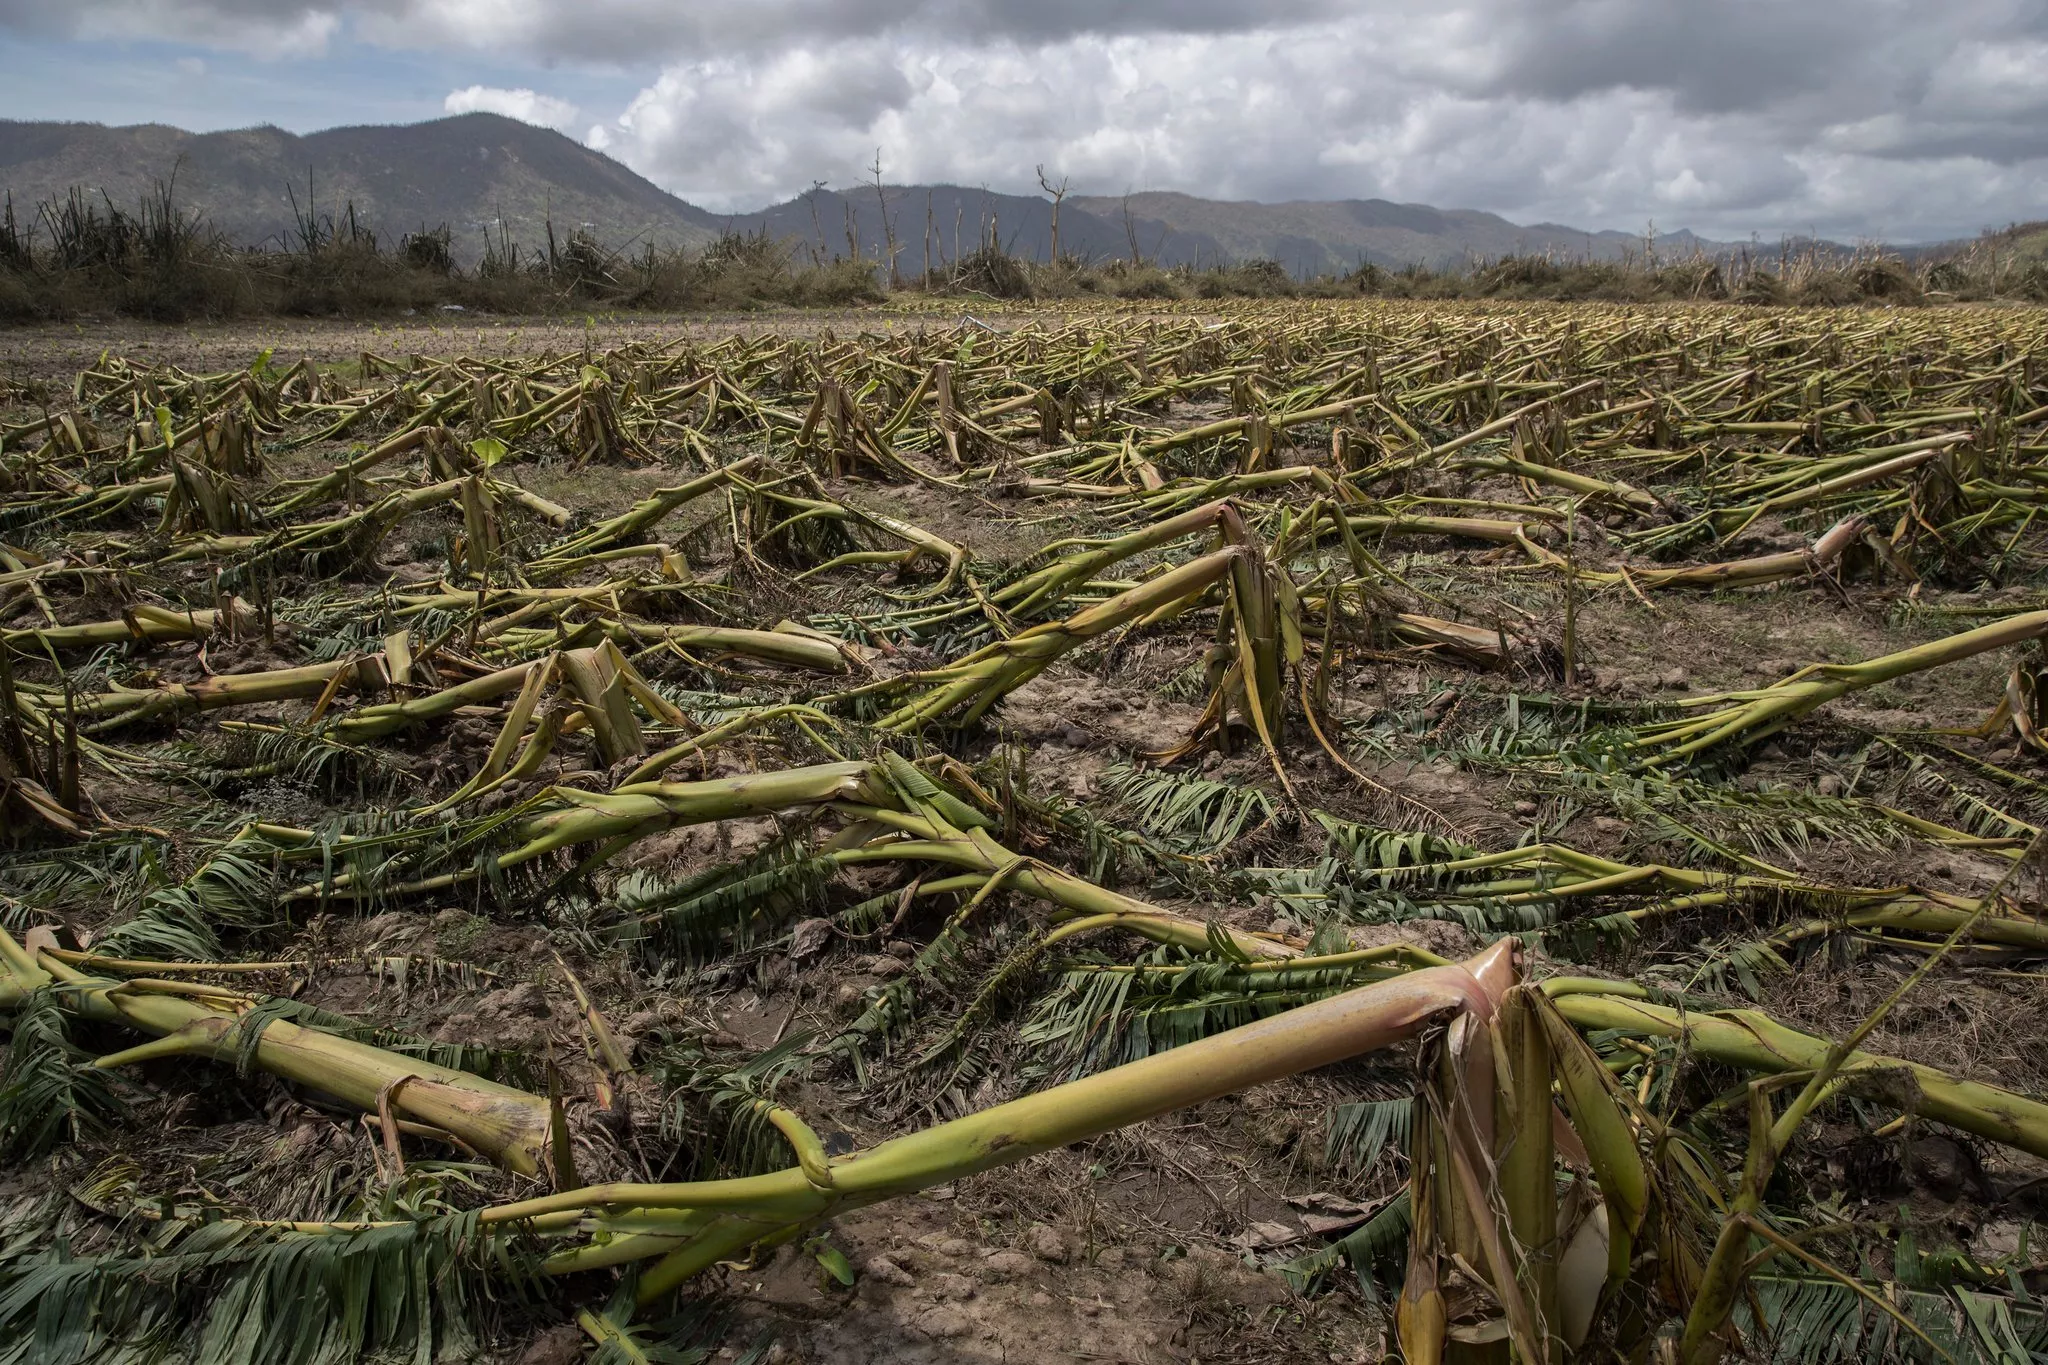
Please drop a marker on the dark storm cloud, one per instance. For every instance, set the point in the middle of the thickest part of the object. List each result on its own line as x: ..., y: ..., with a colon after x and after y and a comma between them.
x: 642, y: 31
x: 1712, y: 58
x: 1853, y: 117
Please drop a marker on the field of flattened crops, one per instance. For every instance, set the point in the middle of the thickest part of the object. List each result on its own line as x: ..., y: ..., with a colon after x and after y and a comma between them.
x: 1295, y: 833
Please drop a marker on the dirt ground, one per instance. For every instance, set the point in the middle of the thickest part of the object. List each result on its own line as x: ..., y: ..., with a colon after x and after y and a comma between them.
x: 60, y: 350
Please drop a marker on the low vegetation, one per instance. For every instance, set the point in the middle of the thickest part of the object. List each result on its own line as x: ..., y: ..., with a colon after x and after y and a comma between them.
x: 678, y: 846
x: 83, y: 255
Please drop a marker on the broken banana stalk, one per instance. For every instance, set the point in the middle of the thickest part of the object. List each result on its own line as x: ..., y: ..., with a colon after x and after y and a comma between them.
x: 984, y: 677
x: 506, y: 1125
x: 918, y: 543
x: 1818, y: 558
x: 691, y: 1227
x: 1753, y: 1041
x: 355, y: 533
x: 1553, y: 874
x: 1747, y: 717
x: 1042, y: 588
x: 142, y: 623
x: 916, y: 821
x: 121, y: 706
x: 641, y: 517
x: 931, y: 835
x: 900, y: 817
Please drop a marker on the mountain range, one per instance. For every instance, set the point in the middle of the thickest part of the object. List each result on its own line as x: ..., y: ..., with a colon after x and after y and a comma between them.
x: 482, y: 174
x: 471, y: 173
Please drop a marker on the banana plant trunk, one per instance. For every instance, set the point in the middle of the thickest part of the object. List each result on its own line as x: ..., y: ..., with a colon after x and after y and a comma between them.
x: 509, y: 1126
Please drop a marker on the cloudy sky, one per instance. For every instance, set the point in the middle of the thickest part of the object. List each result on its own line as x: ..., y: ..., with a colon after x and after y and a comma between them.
x: 1853, y: 118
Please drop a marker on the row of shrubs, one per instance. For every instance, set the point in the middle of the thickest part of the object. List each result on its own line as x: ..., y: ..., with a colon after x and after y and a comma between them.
x: 1815, y: 279
x: 84, y: 257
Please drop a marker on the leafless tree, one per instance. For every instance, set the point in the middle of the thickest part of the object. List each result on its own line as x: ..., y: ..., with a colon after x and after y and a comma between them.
x: 818, y: 251
x: 1058, y: 192
x: 888, y: 227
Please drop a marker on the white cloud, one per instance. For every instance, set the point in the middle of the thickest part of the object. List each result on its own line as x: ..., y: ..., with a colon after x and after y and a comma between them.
x: 1345, y: 110
x: 544, y: 111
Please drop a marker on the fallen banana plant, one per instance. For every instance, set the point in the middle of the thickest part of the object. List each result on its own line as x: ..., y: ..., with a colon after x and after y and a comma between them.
x: 194, y: 1020
x: 1751, y: 1041
x: 142, y: 624
x: 690, y: 1227
x: 1535, y: 886
x: 1499, y: 1251
x: 122, y: 706
x: 580, y: 548
x: 977, y: 682
x: 1751, y: 716
x: 901, y: 817
x: 1819, y: 559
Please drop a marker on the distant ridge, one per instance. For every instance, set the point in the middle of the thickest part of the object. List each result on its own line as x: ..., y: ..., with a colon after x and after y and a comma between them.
x: 1310, y: 236
x: 475, y: 172
x: 1306, y: 238
x: 467, y: 171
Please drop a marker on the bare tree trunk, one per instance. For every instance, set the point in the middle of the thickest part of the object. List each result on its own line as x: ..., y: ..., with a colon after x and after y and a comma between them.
x: 1058, y: 192
x: 888, y: 228
x: 1131, y: 232
x: 818, y: 251
x: 927, y: 239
